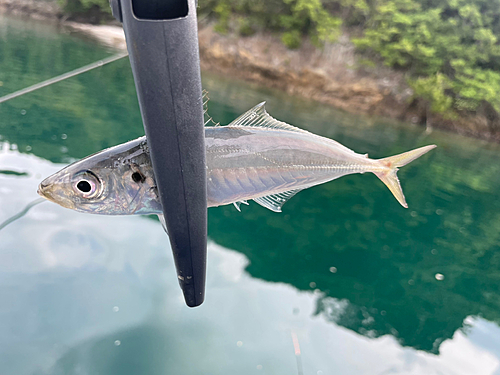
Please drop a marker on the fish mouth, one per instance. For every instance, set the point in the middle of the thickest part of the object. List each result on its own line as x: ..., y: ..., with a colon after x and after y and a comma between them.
x: 50, y: 191
x: 41, y: 189
x: 44, y: 191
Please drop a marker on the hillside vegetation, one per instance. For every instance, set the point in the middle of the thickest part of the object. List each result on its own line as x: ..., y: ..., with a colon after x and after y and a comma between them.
x: 448, y: 49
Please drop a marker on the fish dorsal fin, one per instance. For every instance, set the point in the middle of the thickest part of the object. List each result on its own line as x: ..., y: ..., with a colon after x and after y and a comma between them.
x: 257, y: 117
x: 274, y: 202
x: 238, y: 204
x: 207, y: 119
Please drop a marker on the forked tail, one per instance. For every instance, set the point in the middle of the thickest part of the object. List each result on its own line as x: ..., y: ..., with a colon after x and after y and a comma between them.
x: 389, y: 176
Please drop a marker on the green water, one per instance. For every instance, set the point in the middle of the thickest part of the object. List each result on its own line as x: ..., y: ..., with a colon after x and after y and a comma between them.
x: 366, y: 286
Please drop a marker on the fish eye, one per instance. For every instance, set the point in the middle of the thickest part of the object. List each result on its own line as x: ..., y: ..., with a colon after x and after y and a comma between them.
x: 86, y: 184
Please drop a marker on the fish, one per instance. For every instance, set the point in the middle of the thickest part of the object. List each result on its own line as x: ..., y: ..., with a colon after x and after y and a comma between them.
x: 256, y: 157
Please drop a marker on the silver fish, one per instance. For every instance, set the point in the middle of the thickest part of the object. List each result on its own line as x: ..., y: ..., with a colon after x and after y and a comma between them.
x: 255, y: 157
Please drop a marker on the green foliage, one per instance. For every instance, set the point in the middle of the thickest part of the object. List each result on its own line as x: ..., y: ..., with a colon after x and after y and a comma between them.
x: 245, y: 27
x: 292, y: 39
x: 292, y: 18
x: 223, y: 11
x: 449, y: 48
x: 74, y: 6
x: 322, y: 25
x: 433, y: 89
x: 93, y: 10
x: 102, y: 4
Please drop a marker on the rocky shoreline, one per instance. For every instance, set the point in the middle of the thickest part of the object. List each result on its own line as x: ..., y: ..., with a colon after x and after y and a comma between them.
x: 332, y: 75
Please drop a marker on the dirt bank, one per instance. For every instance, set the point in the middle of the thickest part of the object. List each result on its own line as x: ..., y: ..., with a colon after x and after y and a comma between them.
x: 48, y: 9
x: 332, y: 75
x: 328, y: 75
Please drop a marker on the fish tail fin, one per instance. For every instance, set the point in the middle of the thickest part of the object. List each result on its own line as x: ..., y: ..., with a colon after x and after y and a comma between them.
x: 389, y: 176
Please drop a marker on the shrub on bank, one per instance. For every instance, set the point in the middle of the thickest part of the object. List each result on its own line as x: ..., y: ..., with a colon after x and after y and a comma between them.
x: 94, y: 11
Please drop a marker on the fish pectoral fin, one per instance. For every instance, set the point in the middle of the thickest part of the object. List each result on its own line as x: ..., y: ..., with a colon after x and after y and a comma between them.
x: 238, y: 204
x: 162, y: 221
x: 274, y: 202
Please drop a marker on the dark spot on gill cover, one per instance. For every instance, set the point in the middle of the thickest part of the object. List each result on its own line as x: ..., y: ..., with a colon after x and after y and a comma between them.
x: 138, y: 177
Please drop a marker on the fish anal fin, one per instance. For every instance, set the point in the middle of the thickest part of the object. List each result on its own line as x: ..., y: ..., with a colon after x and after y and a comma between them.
x: 238, y: 204
x: 274, y: 202
x: 257, y: 117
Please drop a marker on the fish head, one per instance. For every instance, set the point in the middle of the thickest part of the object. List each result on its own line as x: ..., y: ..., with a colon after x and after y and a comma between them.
x: 116, y: 181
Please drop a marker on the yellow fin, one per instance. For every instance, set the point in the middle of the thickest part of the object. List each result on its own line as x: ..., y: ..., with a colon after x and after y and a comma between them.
x: 389, y: 176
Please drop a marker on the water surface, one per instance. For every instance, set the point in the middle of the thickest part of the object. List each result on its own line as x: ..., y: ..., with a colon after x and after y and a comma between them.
x: 365, y: 286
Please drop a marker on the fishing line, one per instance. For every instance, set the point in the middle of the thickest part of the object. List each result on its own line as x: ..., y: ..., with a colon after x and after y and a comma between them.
x: 64, y: 76
x: 40, y: 85
x: 296, y: 348
x: 19, y: 215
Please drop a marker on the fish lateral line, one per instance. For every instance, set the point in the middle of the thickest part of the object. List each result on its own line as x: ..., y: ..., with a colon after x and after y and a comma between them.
x: 245, y: 161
